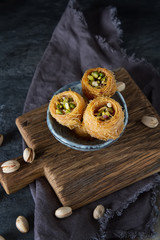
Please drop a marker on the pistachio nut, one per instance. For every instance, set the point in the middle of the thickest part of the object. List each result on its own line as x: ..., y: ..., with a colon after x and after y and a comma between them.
x: 2, y: 238
x: 98, y: 212
x: 28, y: 155
x: 120, y: 86
x: 22, y: 224
x: 63, y: 212
x: 10, y: 166
x: 150, y: 122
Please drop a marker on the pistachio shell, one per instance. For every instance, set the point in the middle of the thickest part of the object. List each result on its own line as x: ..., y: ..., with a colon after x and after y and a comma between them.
x: 10, y: 166
x: 2, y: 238
x: 28, y: 155
x: 63, y: 212
x: 98, y: 212
x: 90, y: 77
x: 1, y: 139
x: 22, y: 224
x: 120, y: 86
x: 150, y: 122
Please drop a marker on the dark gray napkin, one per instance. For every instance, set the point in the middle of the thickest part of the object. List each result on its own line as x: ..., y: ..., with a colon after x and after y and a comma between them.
x: 79, y: 43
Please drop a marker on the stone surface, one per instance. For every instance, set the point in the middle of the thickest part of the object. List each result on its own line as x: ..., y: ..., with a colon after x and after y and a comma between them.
x: 25, y: 30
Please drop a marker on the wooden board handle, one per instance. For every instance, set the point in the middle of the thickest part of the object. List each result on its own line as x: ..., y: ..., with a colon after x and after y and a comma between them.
x: 27, y: 173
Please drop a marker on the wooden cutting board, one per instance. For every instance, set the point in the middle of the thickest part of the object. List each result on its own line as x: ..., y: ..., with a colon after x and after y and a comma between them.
x: 79, y: 178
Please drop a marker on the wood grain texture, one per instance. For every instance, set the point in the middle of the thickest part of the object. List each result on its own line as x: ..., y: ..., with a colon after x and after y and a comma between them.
x: 27, y: 173
x: 79, y: 178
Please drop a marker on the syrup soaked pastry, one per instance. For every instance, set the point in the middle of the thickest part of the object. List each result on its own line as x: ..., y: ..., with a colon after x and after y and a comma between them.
x: 67, y: 108
x: 104, y: 118
x: 98, y: 82
x: 82, y: 132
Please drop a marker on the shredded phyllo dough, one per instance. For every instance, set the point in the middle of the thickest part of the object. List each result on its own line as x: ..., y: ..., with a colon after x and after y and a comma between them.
x: 67, y: 108
x: 104, y: 118
x: 101, y: 118
x: 98, y: 82
x: 82, y: 132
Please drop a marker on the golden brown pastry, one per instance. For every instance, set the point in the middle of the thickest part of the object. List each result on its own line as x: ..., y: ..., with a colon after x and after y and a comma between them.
x: 67, y: 108
x: 98, y: 82
x: 104, y: 118
x: 82, y: 132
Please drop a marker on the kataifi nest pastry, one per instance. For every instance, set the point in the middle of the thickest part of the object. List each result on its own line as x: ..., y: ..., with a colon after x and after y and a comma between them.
x: 67, y: 108
x: 104, y: 118
x: 98, y: 82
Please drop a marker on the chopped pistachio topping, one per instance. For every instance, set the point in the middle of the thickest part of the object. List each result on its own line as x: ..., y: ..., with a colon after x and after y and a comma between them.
x: 97, y: 79
x: 95, y: 74
x: 91, y: 78
x: 65, y: 105
x: 105, y: 113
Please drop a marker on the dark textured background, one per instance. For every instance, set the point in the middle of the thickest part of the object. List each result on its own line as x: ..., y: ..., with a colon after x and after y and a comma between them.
x: 25, y: 30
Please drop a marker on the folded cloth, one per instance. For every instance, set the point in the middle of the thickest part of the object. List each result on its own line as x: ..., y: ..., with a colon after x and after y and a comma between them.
x: 78, y: 43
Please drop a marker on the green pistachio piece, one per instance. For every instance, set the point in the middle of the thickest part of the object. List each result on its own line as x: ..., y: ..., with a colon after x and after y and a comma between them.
x: 90, y: 77
x: 103, y: 79
x: 66, y: 105
x: 95, y: 74
x: 101, y: 74
x: 102, y: 109
x: 68, y: 111
x: 58, y: 111
x: 99, y: 77
x: 58, y: 106
x: 65, y: 100
x: 72, y: 105
x: 110, y: 110
x: 97, y: 114
x: 70, y: 99
x: 108, y: 114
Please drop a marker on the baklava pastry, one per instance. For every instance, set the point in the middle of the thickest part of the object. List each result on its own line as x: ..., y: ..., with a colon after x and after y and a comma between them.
x: 67, y: 108
x: 98, y: 82
x: 82, y: 132
x: 104, y: 118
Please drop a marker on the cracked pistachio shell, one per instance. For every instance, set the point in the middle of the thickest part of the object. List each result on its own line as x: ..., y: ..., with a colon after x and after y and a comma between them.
x: 10, y: 166
x: 28, y: 155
